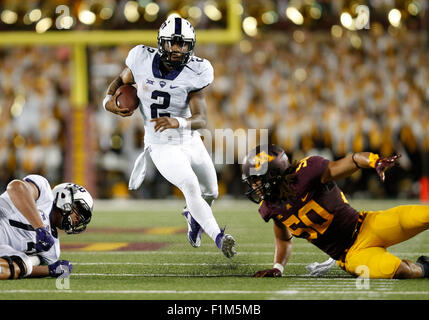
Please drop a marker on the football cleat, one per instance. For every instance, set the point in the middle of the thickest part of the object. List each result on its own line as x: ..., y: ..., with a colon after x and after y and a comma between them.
x: 194, y: 229
x: 226, y: 243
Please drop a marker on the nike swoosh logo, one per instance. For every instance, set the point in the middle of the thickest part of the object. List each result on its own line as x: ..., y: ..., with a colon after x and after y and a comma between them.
x: 305, y: 198
x: 173, y: 87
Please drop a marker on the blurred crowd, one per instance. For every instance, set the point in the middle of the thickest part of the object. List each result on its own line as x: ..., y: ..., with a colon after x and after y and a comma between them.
x: 316, y: 94
x: 34, y: 103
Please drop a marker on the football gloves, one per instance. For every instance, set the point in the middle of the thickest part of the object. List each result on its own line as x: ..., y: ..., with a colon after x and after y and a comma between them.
x: 382, y: 164
x: 317, y: 269
x: 59, y: 268
x: 268, y: 273
x: 44, y: 240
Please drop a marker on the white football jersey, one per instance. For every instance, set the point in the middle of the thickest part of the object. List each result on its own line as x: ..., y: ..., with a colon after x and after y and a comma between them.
x: 17, y: 232
x: 166, y: 95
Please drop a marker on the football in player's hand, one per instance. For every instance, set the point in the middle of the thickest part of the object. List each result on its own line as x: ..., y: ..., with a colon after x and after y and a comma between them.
x: 127, y: 98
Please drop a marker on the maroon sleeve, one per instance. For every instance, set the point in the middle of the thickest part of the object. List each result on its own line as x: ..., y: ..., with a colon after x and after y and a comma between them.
x: 264, y: 211
x: 269, y: 210
x: 309, y: 172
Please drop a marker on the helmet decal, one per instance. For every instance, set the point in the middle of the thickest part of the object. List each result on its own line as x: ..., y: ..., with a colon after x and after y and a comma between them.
x: 261, y: 158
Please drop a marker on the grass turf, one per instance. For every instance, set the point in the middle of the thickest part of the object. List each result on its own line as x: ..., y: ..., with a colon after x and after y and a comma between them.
x: 177, y: 271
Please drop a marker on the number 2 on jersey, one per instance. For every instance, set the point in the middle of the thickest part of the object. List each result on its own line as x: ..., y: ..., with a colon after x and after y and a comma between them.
x: 165, y: 103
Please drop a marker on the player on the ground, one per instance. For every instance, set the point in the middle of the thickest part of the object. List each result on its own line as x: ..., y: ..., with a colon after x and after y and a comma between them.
x: 304, y: 201
x: 170, y: 86
x: 30, y: 213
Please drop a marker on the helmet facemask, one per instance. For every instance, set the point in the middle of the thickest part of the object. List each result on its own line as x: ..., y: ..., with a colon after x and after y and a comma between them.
x: 262, y: 188
x: 83, y: 214
x: 168, y: 52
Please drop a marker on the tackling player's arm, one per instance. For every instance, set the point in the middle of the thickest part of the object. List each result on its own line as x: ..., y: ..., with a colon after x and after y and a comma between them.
x: 110, y: 103
x: 198, y: 120
x: 346, y: 166
x: 283, y: 250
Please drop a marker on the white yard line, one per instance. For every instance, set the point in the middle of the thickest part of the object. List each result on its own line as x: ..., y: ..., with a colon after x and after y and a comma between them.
x: 301, y: 278
x: 160, y: 252
x: 204, y: 253
x: 150, y: 275
x: 179, y: 264
x: 280, y: 292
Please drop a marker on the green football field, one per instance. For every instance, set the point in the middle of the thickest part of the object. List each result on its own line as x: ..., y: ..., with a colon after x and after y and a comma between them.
x: 139, y: 250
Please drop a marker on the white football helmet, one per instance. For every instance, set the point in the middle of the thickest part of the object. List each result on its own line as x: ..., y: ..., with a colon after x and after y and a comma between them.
x: 180, y: 31
x: 70, y: 197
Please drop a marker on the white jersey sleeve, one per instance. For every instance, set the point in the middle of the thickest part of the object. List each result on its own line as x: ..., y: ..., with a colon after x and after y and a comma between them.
x: 42, y: 184
x: 204, y: 74
x: 136, y: 56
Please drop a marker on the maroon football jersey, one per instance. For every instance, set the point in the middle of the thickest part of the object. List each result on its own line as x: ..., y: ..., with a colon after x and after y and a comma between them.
x: 319, y: 213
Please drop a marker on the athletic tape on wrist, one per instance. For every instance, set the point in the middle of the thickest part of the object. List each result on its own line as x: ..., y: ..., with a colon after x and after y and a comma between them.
x: 107, y: 98
x: 183, y: 123
x: 373, y: 159
x: 279, y: 266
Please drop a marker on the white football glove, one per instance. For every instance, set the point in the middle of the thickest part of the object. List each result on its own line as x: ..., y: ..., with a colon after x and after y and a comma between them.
x: 317, y: 269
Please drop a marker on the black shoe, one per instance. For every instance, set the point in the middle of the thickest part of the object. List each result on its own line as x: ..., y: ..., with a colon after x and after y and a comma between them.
x: 423, y: 261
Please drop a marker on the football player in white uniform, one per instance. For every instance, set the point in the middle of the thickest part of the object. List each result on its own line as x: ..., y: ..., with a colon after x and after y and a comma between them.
x: 170, y: 84
x: 30, y: 213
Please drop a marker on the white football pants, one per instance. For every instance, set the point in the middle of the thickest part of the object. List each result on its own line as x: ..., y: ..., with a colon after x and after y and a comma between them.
x: 189, y: 167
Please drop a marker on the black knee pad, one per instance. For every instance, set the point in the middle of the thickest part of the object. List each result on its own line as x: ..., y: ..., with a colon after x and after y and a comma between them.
x: 11, y: 266
x: 20, y: 263
x: 23, y: 269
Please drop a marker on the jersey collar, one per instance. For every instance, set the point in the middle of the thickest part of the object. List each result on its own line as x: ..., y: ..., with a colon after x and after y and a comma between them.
x: 157, y: 73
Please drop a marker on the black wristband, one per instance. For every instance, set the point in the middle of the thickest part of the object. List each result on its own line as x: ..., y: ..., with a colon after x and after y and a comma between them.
x: 354, y: 161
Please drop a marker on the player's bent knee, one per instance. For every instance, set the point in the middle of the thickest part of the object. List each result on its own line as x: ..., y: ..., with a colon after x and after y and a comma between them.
x: 190, y: 188
x: 211, y: 196
x: 12, y: 267
x: 408, y: 270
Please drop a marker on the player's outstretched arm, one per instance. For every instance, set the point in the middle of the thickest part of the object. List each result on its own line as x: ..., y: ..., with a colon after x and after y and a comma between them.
x: 110, y: 103
x: 283, y: 250
x: 346, y: 166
